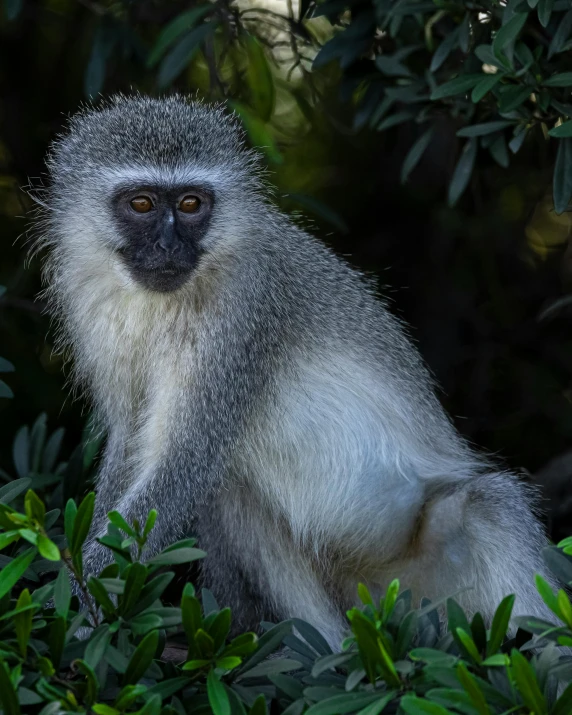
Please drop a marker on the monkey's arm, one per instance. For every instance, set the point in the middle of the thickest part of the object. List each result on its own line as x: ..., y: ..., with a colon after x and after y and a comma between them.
x: 183, y: 455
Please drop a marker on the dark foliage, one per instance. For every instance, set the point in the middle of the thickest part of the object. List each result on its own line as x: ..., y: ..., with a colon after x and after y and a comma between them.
x: 142, y: 654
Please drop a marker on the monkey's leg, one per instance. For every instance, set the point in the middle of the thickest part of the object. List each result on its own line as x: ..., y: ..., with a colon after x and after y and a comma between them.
x: 254, y: 567
x: 478, y: 534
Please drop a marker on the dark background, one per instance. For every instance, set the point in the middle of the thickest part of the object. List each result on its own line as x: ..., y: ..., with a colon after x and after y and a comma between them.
x: 485, y: 286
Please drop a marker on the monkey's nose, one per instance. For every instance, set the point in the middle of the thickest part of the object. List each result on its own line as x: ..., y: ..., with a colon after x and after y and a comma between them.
x: 167, y: 244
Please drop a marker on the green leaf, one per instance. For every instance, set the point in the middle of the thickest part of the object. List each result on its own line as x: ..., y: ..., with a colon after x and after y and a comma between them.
x: 389, y: 599
x: 258, y: 707
x: 395, y: 119
x: 13, y: 8
x: 6, y: 365
x: 562, y: 130
x: 498, y: 150
x: 62, y: 593
x: 144, y: 623
x: 508, y: 33
x: 349, y: 702
x: 220, y: 627
x: 463, y: 171
x: 142, y: 658
x: 562, y: 181
x: 34, y: 507
x: 150, y: 522
x: 99, y: 592
x: 444, y: 50
x: 500, y: 624
x: 180, y: 556
x: 174, y: 29
x: 217, y: 696
x: 558, y: 43
x: 561, y: 79
x: 151, y: 592
x: 486, y: 56
x: 196, y: 664
x: 82, y: 523
x: 47, y: 548
x: 558, y: 564
x: 52, y: 450
x: 527, y: 684
x: 13, y: 572
x: 371, y: 649
x: 518, y: 139
x: 271, y: 667
x: 117, y: 520
x: 493, y: 661
x: 69, y: 520
x: 134, y: 582
x: 415, y: 153
x: 544, y: 10
x: 468, y: 644
x: 513, y: 97
x: 57, y: 640
x: 378, y: 706
x: 8, y: 537
x: 471, y: 686
x: 103, y: 42
x: 182, y: 54
x: 21, y: 452
x: 37, y: 440
x: 8, y: 696
x: 312, y: 636
x: 259, y: 78
x: 10, y: 491
x: 259, y: 132
x: 413, y: 705
x: 23, y: 621
x: 563, y: 705
x: 91, y: 678
x: 152, y: 706
x: 459, y: 85
x: 365, y: 595
x: 479, y: 130
x: 128, y: 695
x: 5, y: 391
x: 97, y: 645
x: 242, y: 645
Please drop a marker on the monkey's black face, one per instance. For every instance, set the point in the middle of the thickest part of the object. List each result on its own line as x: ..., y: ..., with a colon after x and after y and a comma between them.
x: 162, y: 229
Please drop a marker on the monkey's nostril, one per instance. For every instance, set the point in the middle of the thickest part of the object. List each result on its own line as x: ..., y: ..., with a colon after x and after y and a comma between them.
x: 167, y: 246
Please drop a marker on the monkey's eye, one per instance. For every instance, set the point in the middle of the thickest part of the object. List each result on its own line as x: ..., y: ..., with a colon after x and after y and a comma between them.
x: 189, y: 204
x: 141, y: 204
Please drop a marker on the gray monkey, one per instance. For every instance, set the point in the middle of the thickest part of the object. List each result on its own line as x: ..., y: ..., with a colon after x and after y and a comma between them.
x: 254, y: 389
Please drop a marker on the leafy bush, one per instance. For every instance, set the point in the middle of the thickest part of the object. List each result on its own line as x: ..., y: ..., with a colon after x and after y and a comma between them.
x: 396, y: 659
x: 497, y: 70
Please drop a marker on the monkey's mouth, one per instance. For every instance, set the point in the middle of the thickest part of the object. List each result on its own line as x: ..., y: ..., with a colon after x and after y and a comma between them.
x: 160, y: 276
x: 163, y: 279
